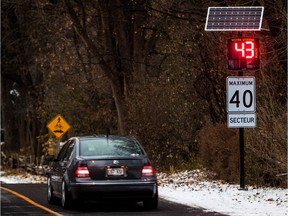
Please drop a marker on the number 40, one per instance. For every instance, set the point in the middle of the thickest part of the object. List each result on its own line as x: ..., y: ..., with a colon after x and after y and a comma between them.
x: 247, y: 99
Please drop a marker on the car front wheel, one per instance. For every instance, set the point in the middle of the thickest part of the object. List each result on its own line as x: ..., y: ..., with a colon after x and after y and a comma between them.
x: 66, y: 201
x: 50, y: 196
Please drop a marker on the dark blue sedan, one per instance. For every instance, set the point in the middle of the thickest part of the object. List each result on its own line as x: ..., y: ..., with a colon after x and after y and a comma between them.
x: 98, y: 168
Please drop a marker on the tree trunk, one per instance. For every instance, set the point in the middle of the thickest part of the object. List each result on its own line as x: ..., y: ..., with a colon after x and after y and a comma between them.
x: 120, y: 104
x: 9, y: 118
x: 109, y: 69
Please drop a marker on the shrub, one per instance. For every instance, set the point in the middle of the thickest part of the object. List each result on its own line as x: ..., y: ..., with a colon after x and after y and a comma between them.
x: 219, y: 151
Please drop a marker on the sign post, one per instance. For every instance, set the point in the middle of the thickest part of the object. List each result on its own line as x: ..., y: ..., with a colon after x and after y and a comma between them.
x: 241, y: 106
x: 242, y: 53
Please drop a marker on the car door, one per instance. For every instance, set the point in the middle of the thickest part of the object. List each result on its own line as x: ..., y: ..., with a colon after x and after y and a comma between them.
x: 56, y: 171
x: 67, y: 157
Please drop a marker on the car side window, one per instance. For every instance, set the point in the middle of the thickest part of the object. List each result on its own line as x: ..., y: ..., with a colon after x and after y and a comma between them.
x: 69, y: 151
x: 62, y: 151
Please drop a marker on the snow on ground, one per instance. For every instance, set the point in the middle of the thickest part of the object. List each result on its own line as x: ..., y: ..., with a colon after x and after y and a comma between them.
x: 193, y: 188
x: 22, y: 178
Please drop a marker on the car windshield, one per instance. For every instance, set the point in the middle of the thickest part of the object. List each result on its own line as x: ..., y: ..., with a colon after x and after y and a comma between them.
x: 107, y: 147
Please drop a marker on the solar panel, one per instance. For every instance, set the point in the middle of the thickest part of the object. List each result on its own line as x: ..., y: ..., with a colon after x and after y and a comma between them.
x: 234, y: 19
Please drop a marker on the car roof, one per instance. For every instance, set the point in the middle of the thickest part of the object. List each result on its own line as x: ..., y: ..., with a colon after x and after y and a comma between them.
x: 110, y: 137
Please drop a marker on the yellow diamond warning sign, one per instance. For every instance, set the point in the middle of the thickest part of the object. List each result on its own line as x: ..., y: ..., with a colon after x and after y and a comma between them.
x: 58, y: 126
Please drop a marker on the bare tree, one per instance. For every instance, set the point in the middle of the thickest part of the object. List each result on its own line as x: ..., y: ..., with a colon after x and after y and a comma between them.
x: 115, y: 35
x: 21, y: 89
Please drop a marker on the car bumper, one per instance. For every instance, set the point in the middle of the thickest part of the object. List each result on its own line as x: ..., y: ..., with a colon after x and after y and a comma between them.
x: 99, y: 190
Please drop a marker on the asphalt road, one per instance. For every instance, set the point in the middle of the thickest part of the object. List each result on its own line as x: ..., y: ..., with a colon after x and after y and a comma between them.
x: 32, y: 201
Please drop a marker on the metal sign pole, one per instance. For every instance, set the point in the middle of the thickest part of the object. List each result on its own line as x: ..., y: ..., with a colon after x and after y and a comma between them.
x: 242, y: 158
x: 242, y: 152
x: 241, y: 145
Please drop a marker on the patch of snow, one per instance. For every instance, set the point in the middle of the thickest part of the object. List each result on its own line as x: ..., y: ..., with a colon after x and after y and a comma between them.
x: 193, y: 188
x: 22, y: 178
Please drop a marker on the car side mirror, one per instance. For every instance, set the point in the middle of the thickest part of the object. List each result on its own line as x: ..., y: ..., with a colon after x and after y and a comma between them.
x: 50, y: 158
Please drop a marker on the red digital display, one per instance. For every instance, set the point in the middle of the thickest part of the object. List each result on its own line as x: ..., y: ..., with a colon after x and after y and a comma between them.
x: 243, y: 53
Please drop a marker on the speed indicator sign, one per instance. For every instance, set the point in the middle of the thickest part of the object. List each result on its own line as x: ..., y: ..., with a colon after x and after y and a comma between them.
x: 241, y: 96
x: 243, y: 53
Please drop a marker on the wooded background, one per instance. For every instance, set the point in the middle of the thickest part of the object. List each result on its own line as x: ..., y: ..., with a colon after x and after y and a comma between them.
x: 147, y: 69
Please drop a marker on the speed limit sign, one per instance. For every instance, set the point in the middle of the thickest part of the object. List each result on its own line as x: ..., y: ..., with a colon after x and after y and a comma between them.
x: 241, y: 96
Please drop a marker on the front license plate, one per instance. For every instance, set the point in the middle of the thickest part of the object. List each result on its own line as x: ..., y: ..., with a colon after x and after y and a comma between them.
x: 115, y: 171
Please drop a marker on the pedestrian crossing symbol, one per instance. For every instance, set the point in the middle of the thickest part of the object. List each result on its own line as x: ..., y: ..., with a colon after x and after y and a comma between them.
x: 58, y: 126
